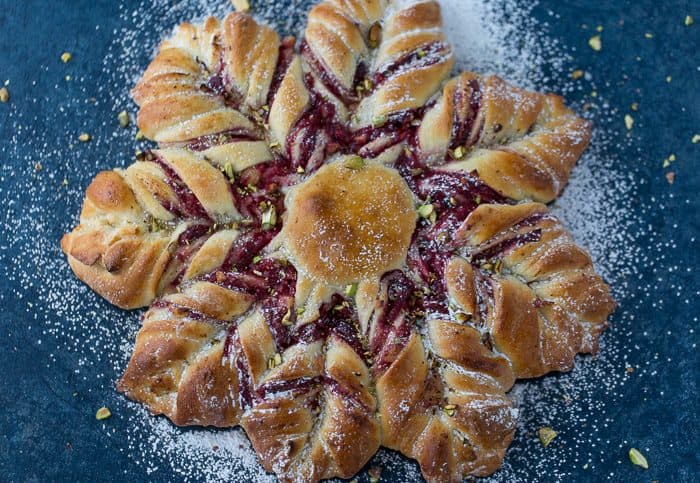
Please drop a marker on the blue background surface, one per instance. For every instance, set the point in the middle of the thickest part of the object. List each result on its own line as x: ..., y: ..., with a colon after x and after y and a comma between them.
x: 47, y: 426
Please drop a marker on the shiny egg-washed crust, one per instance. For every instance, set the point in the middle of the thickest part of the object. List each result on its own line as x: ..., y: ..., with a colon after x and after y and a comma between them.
x: 280, y: 268
x: 129, y: 247
x: 338, y: 234
x: 523, y: 144
x: 543, y: 302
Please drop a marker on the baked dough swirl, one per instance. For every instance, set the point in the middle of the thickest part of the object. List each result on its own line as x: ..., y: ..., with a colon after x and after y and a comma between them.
x: 340, y: 247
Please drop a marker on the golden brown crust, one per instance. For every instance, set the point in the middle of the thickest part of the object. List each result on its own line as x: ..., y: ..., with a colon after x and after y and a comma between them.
x: 290, y: 102
x: 181, y: 366
x: 411, y: 61
x: 326, y: 427
x: 449, y: 412
x: 544, y: 301
x: 350, y: 223
x: 206, y: 78
x: 132, y: 243
x: 523, y: 144
x: 111, y: 250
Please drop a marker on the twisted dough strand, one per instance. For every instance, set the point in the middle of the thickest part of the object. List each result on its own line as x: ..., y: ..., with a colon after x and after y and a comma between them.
x: 523, y: 144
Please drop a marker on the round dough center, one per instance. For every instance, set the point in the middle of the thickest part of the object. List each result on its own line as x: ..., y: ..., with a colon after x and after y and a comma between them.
x: 346, y: 224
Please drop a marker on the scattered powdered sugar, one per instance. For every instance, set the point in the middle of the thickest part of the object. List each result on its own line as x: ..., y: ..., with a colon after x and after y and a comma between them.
x: 598, y: 205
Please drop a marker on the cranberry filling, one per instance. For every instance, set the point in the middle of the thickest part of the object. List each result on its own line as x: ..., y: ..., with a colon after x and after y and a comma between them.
x: 317, y: 134
x: 233, y: 344
x: 397, y: 128
x: 337, y: 318
x: 484, y: 294
x: 218, y: 85
x: 329, y: 80
x: 188, y: 204
x: 208, y: 140
x: 507, y: 245
x: 390, y: 334
x: 420, y: 58
x: 304, y: 385
x: 463, y: 124
x: 257, y: 188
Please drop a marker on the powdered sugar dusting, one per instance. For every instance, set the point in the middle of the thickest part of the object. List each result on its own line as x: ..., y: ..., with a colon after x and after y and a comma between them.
x: 598, y: 205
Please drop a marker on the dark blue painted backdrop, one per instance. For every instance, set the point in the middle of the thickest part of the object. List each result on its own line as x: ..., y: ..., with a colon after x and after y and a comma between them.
x: 48, y: 434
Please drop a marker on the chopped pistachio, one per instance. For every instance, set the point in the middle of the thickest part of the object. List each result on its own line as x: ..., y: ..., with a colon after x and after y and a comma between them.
x: 638, y: 458
x: 450, y: 412
x: 228, y: 171
x: 287, y: 319
x: 374, y: 473
x: 123, y: 118
x: 462, y: 317
x: 487, y: 266
x: 367, y: 84
x: 459, y: 152
x: 64, y: 182
x: 477, y: 200
x: 595, y: 43
x: 629, y: 122
x: 274, y: 144
x: 354, y: 162
x: 426, y: 210
x: 695, y: 139
x: 498, y: 266
x: 4, y: 94
x: 546, y: 435
x: 649, y: 35
x: 300, y: 169
x: 577, y: 74
x: 451, y: 406
x: 103, y: 413
x: 669, y: 78
x: 66, y: 57
x: 351, y: 289
x: 379, y: 121
x: 68, y: 78
x: 421, y: 53
x: 140, y: 135
x: 241, y: 5
x: 688, y: 21
x: 594, y: 94
x: 453, y: 201
x: 300, y: 310
x: 634, y: 106
x: 278, y: 359
x: 84, y: 137
x: 257, y: 258
x: 269, y: 218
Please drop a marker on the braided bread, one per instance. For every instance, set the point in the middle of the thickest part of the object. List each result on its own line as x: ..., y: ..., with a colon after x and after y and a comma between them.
x: 340, y: 248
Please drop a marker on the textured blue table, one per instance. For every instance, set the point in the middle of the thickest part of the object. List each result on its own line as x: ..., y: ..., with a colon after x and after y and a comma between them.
x: 56, y: 369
